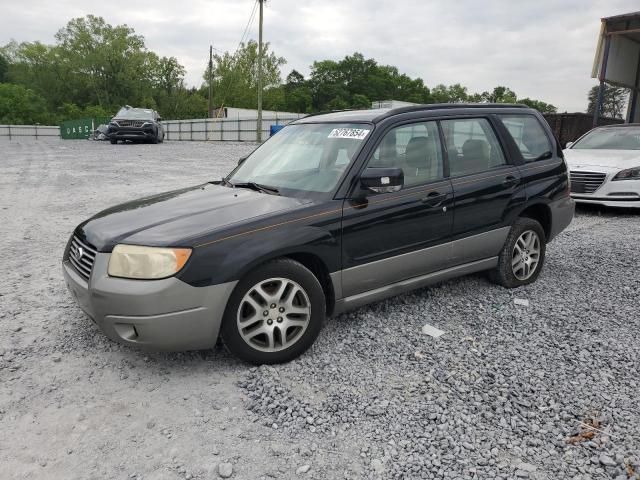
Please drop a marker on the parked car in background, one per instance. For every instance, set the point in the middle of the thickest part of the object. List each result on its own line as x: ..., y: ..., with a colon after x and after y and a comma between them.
x: 335, y: 211
x: 604, y: 166
x: 136, y: 125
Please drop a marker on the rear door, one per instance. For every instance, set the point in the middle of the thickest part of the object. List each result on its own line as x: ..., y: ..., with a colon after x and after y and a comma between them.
x: 393, y: 236
x: 542, y: 166
x: 486, y: 187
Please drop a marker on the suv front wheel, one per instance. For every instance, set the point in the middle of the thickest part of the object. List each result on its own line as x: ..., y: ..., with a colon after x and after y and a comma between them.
x: 274, y: 314
x: 522, y: 256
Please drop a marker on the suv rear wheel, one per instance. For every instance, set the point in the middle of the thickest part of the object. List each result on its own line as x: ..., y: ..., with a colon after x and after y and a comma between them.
x: 522, y: 256
x: 274, y: 314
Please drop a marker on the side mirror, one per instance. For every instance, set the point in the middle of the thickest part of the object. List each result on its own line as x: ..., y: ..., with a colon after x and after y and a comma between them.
x: 241, y: 160
x: 382, y: 180
x: 159, y: 119
x: 568, y: 145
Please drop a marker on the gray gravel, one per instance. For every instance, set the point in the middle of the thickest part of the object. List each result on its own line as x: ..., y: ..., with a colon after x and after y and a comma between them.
x: 501, y: 394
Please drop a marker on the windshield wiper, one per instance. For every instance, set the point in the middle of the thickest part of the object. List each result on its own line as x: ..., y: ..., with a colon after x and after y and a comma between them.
x: 257, y: 187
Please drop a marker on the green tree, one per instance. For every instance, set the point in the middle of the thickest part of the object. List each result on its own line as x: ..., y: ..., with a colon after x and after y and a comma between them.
x: 538, y: 105
x: 348, y: 82
x: 297, y: 94
x: 236, y: 75
x: 96, y: 67
x: 450, y: 94
x: 500, y: 95
x: 110, y: 65
x: 21, y: 106
x: 4, y: 68
x: 613, y: 102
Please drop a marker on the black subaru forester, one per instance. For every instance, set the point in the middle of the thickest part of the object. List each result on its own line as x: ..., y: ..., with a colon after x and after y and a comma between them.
x: 335, y: 211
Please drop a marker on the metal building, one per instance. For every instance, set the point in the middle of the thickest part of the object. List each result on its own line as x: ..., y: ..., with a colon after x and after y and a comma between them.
x: 617, y: 60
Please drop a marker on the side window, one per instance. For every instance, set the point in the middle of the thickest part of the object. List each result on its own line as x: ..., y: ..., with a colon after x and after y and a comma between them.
x: 472, y: 146
x: 416, y: 149
x: 528, y: 135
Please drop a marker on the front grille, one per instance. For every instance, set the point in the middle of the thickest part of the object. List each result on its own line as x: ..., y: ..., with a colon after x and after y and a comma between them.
x: 131, y: 123
x: 586, y: 182
x: 82, y: 255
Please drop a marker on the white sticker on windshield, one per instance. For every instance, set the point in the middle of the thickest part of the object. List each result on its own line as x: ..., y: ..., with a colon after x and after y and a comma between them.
x: 355, y: 133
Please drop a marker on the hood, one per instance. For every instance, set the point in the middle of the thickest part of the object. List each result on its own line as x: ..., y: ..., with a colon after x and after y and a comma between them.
x: 172, y: 218
x: 609, y: 159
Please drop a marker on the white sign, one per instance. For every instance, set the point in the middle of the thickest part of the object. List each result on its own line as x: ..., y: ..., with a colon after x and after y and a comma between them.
x: 354, y: 133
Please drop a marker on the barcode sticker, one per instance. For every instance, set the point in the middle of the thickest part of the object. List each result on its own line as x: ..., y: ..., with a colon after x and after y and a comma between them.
x: 354, y: 133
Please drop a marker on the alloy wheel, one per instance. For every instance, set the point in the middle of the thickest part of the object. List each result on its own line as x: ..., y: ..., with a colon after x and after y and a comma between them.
x: 526, y: 255
x: 273, y: 314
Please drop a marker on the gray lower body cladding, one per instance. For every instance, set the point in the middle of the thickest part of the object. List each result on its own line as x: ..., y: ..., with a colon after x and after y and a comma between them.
x: 163, y: 314
x: 562, y: 212
x: 383, y: 273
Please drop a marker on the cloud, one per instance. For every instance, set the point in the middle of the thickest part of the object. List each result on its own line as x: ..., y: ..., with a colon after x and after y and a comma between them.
x: 541, y: 49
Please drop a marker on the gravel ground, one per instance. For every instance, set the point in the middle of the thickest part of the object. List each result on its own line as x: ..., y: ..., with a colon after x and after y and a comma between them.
x: 506, y: 392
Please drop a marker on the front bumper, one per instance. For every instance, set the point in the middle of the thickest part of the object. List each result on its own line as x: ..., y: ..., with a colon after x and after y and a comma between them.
x: 618, y: 193
x: 131, y: 133
x: 620, y: 201
x: 165, y: 314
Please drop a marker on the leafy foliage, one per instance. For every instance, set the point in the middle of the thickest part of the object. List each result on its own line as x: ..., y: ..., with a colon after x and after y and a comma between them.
x: 236, y: 76
x: 95, y: 68
x: 19, y: 105
x: 613, y: 101
x: 4, y: 68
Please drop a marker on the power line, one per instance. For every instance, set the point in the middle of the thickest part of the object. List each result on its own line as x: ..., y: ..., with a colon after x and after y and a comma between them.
x: 259, y: 121
x: 234, y: 58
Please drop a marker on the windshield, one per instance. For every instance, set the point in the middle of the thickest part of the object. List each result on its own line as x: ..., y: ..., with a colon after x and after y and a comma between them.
x: 307, y: 157
x: 135, y: 113
x: 615, y: 138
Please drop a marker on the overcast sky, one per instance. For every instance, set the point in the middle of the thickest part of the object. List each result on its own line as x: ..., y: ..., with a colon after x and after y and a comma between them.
x: 541, y: 49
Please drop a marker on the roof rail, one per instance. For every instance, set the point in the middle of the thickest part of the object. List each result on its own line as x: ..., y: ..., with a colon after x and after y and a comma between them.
x: 443, y: 106
x: 422, y: 107
x: 325, y: 112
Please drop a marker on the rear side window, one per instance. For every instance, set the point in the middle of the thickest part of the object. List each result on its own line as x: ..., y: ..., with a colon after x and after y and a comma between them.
x: 472, y: 146
x: 528, y: 135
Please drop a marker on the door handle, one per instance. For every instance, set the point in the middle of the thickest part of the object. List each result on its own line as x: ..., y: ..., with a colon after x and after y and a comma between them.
x: 510, y: 181
x: 434, y: 199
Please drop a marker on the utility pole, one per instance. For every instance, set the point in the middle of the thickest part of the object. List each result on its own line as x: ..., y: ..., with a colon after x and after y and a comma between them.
x: 259, y: 124
x: 210, y: 81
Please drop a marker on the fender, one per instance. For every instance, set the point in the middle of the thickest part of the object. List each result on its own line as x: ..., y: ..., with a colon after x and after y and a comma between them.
x: 229, y: 259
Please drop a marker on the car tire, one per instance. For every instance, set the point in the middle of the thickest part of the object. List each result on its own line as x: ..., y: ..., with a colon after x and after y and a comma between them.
x: 521, y: 259
x: 113, y: 141
x: 154, y: 140
x: 274, y: 314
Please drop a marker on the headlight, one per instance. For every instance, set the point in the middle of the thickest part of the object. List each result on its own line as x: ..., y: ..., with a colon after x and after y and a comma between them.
x: 628, y: 174
x: 134, y: 261
x: 113, y: 124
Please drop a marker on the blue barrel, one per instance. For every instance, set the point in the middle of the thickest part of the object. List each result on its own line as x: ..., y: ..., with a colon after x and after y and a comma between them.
x: 275, y: 129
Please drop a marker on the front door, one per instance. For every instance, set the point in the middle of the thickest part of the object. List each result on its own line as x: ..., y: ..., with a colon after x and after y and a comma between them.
x: 393, y: 236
